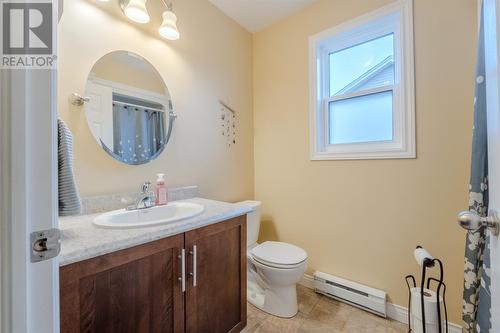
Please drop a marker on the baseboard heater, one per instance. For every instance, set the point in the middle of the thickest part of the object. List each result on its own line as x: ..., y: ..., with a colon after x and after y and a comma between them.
x: 355, y: 294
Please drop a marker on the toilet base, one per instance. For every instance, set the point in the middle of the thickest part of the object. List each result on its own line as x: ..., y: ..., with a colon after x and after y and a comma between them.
x: 280, y: 302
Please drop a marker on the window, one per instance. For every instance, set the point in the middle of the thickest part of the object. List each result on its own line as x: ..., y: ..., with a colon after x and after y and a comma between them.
x: 362, y: 87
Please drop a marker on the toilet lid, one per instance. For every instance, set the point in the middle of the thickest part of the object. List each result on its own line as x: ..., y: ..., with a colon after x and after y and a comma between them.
x: 279, y: 253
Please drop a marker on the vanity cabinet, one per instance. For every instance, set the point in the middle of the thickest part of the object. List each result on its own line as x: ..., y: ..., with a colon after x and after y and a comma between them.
x: 191, y: 282
x: 217, y: 283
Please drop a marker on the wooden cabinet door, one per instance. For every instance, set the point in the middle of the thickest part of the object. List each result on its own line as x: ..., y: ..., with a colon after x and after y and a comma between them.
x: 216, y: 299
x: 133, y: 290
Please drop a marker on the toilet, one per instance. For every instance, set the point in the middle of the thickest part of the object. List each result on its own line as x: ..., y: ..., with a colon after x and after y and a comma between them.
x: 274, y: 268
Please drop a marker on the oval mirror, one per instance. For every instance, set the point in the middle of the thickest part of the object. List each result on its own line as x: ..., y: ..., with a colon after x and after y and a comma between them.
x: 129, y: 110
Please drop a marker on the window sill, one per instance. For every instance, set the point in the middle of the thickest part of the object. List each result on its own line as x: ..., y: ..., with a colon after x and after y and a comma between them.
x: 369, y: 155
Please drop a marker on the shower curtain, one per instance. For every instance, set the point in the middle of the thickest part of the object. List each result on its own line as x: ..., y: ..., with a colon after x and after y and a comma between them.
x: 138, y: 133
x: 477, y: 298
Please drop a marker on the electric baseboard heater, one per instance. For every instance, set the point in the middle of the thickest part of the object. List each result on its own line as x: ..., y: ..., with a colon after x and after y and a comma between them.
x: 355, y: 294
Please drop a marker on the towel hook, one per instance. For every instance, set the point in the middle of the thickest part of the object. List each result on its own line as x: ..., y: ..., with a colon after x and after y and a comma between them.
x: 77, y: 99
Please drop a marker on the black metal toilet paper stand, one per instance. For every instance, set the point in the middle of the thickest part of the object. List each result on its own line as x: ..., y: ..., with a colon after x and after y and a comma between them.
x: 441, y: 287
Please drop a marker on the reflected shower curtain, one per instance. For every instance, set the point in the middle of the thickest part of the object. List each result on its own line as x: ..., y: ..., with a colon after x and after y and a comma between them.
x: 138, y: 133
x: 477, y: 298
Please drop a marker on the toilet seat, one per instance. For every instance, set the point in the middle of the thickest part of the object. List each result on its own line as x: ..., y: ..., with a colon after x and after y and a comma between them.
x: 279, y: 255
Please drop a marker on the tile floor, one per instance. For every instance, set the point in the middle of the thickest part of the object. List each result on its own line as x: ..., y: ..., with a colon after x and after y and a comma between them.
x: 319, y: 314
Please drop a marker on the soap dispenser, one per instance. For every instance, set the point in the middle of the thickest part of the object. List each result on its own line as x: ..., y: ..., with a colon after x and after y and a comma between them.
x: 161, y: 190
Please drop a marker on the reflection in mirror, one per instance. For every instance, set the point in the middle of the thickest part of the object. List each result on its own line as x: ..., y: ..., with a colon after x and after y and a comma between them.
x: 129, y: 112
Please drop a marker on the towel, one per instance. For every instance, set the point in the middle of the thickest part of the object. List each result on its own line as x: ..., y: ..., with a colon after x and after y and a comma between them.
x: 69, y: 199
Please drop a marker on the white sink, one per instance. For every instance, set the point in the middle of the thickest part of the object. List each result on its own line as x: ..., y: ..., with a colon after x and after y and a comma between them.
x: 172, y: 212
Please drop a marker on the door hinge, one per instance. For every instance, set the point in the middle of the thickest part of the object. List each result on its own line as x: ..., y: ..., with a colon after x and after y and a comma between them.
x: 45, y: 244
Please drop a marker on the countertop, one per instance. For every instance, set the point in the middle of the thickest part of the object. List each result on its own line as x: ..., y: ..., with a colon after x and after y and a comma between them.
x: 82, y: 240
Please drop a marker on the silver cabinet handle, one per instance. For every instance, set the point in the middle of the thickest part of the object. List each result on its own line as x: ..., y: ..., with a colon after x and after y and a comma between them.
x: 472, y: 221
x: 182, y: 257
x: 193, y: 273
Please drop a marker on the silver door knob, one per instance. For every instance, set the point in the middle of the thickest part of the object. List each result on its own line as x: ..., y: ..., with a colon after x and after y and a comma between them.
x: 472, y: 221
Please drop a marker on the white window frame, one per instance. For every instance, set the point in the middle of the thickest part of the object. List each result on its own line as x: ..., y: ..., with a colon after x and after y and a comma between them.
x: 396, y: 18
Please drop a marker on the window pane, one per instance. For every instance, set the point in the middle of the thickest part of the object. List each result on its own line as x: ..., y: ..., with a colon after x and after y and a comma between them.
x: 361, y: 119
x: 364, y: 66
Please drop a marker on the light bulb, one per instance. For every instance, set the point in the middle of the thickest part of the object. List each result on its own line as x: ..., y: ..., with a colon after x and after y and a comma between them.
x: 168, y: 28
x: 136, y: 11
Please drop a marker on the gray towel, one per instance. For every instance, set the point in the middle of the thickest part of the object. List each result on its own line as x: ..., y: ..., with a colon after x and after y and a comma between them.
x: 69, y: 199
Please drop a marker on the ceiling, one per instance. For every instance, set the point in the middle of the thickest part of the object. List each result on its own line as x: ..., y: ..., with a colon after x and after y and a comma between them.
x: 255, y: 15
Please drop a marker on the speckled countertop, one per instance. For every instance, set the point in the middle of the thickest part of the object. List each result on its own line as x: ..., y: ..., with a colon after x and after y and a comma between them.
x: 81, y: 239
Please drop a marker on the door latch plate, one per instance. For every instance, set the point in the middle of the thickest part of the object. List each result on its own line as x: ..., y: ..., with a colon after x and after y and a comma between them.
x: 45, y: 244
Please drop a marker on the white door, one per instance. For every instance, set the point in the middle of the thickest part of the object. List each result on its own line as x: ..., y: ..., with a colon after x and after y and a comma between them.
x: 492, y: 43
x: 100, y: 111
x: 28, y: 199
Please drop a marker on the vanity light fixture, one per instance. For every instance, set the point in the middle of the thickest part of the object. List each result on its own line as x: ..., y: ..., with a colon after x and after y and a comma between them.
x: 168, y: 28
x: 135, y: 10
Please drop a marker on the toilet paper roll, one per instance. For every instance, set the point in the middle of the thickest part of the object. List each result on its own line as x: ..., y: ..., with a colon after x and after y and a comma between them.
x: 421, y: 254
x: 417, y: 326
x: 430, y: 305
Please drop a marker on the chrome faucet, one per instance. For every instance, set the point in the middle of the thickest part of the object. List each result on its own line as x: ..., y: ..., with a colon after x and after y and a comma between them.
x: 145, y: 198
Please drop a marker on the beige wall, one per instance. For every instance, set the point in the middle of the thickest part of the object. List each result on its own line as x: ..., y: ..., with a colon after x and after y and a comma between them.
x: 211, y: 61
x: 362, y: 219
x: 116, y: 70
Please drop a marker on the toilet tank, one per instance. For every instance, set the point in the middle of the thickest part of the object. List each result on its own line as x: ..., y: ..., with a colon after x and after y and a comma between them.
x: 253, y: 221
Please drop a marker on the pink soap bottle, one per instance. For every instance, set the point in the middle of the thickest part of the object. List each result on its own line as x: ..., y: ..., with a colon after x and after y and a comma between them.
x: 161, y: 190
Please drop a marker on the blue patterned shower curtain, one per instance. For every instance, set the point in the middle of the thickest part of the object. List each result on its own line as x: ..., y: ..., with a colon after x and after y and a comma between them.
x: 477, y: 298
x: 138, y: 133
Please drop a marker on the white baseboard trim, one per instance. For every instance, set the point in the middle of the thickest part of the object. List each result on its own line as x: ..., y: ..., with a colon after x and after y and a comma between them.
x: 307, y: 281
x: 395, y: 312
